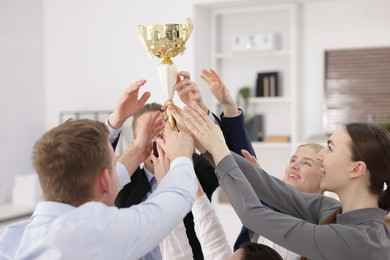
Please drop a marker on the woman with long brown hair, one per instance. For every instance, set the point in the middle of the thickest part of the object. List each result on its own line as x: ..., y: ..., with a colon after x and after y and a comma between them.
x: 356, y: 164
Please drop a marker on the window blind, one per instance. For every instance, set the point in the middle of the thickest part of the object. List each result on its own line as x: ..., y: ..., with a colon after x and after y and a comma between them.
x: 357, y: 87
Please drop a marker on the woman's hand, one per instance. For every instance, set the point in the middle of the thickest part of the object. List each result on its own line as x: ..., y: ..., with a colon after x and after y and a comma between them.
x: 178, y: 114
x: 250, y: 157
x: 220, y: 92
x: 206, y: 132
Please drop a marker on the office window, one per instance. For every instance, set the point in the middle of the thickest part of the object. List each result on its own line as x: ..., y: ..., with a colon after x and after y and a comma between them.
x: 357, y: 87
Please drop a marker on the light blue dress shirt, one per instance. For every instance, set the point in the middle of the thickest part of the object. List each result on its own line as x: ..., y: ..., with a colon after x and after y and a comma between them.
x: 96, y: 231
x: 155, y: 254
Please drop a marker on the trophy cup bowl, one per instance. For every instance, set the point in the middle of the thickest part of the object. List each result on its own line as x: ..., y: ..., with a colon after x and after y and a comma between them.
x: 166, y: 41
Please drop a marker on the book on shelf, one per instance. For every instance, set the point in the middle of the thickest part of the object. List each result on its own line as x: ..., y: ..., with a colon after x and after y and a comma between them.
x: 267, y: 84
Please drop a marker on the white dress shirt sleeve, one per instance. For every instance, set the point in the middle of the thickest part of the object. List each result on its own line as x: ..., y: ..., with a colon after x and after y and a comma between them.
x: 209, y: 230
x: 113, y: 132
x: 123, y: 175
x: 97, y: 231
x: 176, y: 245
x: 140, y: 228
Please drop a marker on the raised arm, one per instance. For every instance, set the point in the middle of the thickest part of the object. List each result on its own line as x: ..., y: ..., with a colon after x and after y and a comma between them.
x: 127, y: 105
x: 232, y: 118
x: 209, y: 230
x: 170, y: 202
x: 141, y: 147
x: 316, y: 241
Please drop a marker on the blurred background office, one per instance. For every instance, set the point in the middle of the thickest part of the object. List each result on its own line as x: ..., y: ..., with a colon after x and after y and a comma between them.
x: 79, y: 55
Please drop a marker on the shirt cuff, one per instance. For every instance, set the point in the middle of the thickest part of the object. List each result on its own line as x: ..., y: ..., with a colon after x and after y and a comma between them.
x: 123, y: 175
x: 239, y: 114
x: 212, y: 117
x: 113, y: 132
x: 180, y: 160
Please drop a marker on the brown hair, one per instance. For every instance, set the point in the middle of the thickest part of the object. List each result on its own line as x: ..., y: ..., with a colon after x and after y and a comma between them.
x: 371, y: 144
x: 254, y: 251
x: 387, y: 221
x: 68, y: 158
x: 151, y: 107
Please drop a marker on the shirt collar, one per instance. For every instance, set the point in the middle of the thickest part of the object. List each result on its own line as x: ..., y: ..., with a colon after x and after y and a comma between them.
x: 51, y: 208
x: 148, y: 174
x: 362, y: 215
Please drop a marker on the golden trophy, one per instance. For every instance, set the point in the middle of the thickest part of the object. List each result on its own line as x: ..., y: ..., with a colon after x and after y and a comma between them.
x: 166, y: 41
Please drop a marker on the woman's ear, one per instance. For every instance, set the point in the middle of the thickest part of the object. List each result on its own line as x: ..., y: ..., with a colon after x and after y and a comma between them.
x: 359, y: 169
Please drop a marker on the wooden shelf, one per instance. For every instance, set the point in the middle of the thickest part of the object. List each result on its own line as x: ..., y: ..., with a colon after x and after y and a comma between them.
x: 269, y: 100
x: 270, y: 145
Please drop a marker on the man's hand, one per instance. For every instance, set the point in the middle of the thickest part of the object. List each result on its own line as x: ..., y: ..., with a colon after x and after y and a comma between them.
x: 176, y: 144
x: 128, y: 104
x: 188, y: 91
x: 220, y: 92
x: 147, y: 133
x: 161, y: 163
x: 141, y: 147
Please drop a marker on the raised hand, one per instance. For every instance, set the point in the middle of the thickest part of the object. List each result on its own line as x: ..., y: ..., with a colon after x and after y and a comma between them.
x: 178, y: 114
x: 176, y: 144
x: 208, y: 134
x: 188, y: 91
x: 220, y: 92
x: 250, y: 157
x: 128, y: 104
x: 149, y: 132
x: 161, y: 163
x: 141, y: 147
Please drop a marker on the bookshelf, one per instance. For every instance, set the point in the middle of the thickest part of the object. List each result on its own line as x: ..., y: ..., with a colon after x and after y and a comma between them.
x: 223, y: 24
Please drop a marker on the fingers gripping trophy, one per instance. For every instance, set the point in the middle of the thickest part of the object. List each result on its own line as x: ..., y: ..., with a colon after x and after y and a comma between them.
x: 166, y: 41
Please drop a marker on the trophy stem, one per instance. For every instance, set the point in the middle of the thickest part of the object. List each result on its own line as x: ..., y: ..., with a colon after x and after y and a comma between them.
x: 168, y: 77
x: 167, y: 60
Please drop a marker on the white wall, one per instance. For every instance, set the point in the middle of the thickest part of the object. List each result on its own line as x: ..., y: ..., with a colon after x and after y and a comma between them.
x: 92, y: 51
x: 21, y: 88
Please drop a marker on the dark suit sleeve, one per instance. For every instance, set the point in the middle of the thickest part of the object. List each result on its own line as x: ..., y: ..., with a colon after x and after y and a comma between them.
x: 206, y: 175
x: 115, y: 143
x: 134, y: 192
x: 236, y: 134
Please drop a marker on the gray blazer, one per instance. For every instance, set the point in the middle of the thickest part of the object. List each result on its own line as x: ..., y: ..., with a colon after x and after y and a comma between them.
x: 360, y: 234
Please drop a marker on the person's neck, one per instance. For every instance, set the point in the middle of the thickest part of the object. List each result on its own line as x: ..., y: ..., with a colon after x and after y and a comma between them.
x: 149, y: 166
x: 357, y: 198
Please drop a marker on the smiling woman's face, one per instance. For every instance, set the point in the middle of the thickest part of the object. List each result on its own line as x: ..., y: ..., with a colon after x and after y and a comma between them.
x: 336, y: 161
x: 304, y: 170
